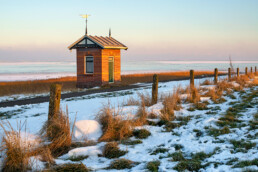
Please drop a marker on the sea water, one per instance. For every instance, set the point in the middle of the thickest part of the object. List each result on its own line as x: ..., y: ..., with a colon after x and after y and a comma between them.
x: 44, y: 70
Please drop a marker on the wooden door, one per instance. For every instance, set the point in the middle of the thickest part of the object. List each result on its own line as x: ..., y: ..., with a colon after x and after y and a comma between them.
x: 111, y: 69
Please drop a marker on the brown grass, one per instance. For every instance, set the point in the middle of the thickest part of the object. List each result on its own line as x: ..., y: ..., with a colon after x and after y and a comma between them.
x: 170, y: 102
x: 57, y: 130
x: 193, y: 95
x: 141, y: 112
x: 69, y: 83
x: 36, y: 86
x: 206, y: 82
x: 113, y: 126
x: 213, y: 94
x: 17, y: 151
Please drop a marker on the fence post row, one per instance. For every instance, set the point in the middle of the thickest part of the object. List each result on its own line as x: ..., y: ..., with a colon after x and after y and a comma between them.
x: 229, y: 74
x: 191, y: 78
x: 215, y: 75
x: 155, y: 89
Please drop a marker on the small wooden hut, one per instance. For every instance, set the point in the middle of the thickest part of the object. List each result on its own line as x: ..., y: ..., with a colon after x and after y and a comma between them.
x: 98, y: 60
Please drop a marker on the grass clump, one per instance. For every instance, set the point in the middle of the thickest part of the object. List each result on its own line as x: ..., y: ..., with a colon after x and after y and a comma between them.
x: 159, y: 150
x: 131, y: 142
x: 183, y: 119
x: 193, y: 95
x: 191, y: 165
x: 242, y: 164
x: 241, y: 145
x: 141, y: 133
x: 113, y: 126
x: 78, y: 158
x: 171, y: 103
x: 216, y: 132
x: 206, y: 82
x: 201, y: 106
x: 57, y: 130
x: 200, y: 156
x: 169, y: 126
x: 178, y: 146
x: 71, y: 167
x: 153, y: 166
x: 17, y: 151
x: 111, y: 150
x: 141, y: 112
x: 120, y: 164
x: 177, y: 156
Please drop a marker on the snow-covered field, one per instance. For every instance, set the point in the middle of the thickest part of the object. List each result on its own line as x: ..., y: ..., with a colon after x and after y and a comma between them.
x: 191, y: 138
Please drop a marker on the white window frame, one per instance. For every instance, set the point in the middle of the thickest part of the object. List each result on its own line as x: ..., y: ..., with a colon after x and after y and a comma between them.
x: 85, y: 64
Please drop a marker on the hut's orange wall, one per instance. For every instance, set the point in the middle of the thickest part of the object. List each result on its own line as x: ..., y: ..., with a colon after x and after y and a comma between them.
x: 115, y: 53
x: 101, y: 72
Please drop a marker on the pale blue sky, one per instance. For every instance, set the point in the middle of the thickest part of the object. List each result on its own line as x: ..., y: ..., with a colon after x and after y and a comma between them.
x: 38, y: 30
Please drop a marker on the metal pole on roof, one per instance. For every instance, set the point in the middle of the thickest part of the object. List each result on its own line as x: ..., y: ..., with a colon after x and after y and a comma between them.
x: 86, y: 17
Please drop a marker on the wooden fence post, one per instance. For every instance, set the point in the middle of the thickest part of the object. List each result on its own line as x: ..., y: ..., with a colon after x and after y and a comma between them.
x: 54, y: 105
x: 191, y: 78
x: 215, y: 75
x: 229, y: 74
x: 246, y: 70
x: 251, y: 70
x: 237, y: 72
x: 155, y: 88
x: 255, y: 70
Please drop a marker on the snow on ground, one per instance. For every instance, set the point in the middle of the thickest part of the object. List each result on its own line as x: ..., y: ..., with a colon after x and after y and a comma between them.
x: 192, y: 137
x: 87, y: 130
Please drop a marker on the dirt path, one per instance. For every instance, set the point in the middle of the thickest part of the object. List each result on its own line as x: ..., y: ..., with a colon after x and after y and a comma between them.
x: 42, y: 99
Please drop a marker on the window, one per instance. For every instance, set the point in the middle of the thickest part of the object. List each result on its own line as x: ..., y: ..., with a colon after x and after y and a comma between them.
x: 89, y: 65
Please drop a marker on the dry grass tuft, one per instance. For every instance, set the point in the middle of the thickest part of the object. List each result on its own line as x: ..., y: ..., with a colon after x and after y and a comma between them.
x: 131, y: 101
x: 45, y: 155
x: 57, y: 130
x: 113, y: 126
x: 224, y: 86
x: 171, y: 102
x: 206, y: 82
x: 17, y: 151
x: 141, y: 112
x: 146, y: 98
x: 193, y: 95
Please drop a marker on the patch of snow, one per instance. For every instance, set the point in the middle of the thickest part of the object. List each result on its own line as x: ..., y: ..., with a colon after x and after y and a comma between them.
x: 87, y: 130
x: 36, y: 164
x: 210, y: 87
x: 205, y: 98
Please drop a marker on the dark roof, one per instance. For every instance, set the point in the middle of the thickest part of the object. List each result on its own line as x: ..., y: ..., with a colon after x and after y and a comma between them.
x: 97, y: 41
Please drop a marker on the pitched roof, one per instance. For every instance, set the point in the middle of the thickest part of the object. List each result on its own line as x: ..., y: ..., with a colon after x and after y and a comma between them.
x: 103, y: 42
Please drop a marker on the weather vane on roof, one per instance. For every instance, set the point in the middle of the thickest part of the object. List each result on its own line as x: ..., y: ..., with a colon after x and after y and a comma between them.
x: 85, y: 16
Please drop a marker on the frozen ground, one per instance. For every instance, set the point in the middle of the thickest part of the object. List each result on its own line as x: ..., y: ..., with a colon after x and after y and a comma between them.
x: 191, y: 138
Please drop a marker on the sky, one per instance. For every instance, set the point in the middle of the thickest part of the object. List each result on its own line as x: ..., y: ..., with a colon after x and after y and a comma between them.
x: 37, y: 30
